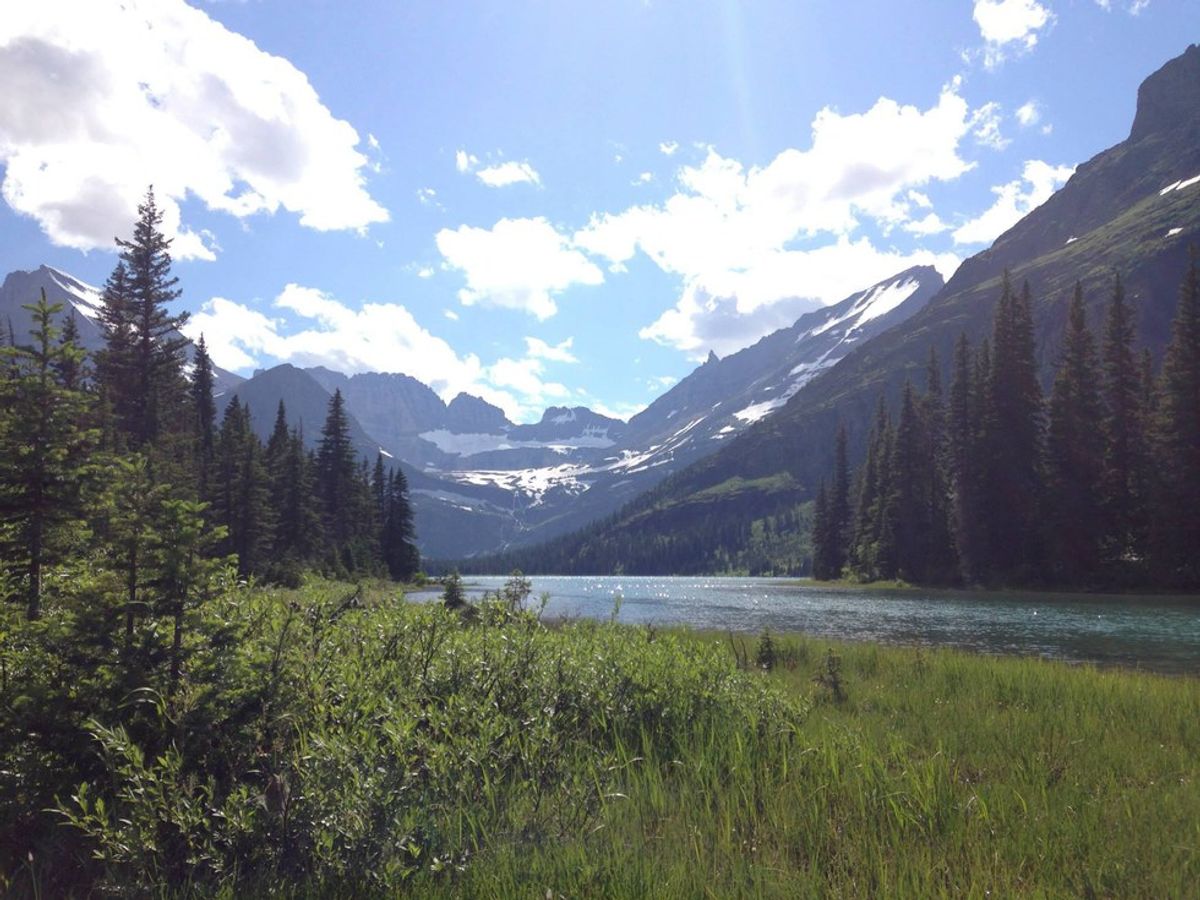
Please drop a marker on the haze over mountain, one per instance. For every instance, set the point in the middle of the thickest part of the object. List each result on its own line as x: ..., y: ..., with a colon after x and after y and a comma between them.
x: 1132, y: 209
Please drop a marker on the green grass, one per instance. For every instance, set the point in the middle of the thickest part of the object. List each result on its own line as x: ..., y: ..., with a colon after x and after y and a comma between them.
x: 496, y: 757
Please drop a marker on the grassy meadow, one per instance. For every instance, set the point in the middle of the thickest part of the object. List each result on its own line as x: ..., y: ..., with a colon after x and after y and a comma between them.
x: 328, y: 743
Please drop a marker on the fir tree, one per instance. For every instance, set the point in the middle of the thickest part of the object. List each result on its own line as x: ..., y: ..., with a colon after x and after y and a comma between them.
x: 911, y: 505
x: 400, y: 553
x: 337, y: 481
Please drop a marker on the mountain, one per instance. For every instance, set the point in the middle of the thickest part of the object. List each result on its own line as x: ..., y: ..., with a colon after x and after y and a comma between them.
x: 720, y: 399
x: 79, y: 299
x: 1132, y: 209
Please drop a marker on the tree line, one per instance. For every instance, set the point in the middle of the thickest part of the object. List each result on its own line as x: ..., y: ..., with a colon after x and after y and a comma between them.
x: 118, y: 461
x: 1096, y: 485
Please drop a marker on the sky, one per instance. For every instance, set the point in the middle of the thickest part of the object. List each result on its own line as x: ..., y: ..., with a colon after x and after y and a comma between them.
x: 551, y: 202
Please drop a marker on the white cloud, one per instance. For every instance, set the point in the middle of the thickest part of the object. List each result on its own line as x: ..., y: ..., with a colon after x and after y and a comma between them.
x: 644, y: 178
x: 661, y: 382
x: 450, y: 314
x: 103, y: 98
x: 1029, y: 114
x: 464, y: 161
x: 1009, y: 24
x: 501, y: 174
x: 425, y: 272
x: 931, y: 224
x: 517, y: 264
x: 560, y: 352
x: 709, y: 319
x: 506, y: 173
x: 985, y: 127
x: 756, y: 247
x: 1013, y: 201
x: 668, y: 148
x: 428, y: 197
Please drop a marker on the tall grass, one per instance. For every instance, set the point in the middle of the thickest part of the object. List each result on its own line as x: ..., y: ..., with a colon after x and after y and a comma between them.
x: 402, y: 748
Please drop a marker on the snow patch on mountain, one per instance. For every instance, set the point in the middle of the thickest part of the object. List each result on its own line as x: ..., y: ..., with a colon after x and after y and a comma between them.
x: 472, y: 443
x: 86, y: 299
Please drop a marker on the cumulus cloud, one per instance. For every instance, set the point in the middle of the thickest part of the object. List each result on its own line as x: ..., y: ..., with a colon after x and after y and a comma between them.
x: 516, y: 264
x: 376, y: 337
x: 506, y: 173
x: 756, y: 247
x: 668, y: 148
x: 497, y: 175
x: 536, y: 348
x: 1006, y: 25
x: 1013, y: 201
x: 710, y: 318
x: 1029, y: 114
x: 105, y: 97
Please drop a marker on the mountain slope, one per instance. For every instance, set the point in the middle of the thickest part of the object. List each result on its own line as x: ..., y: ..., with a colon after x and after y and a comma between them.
x: 79, y: 299
x: 1134, y: 208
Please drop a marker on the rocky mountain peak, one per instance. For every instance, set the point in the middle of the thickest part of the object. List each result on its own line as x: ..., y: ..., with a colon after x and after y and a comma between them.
x: 1169, y: 98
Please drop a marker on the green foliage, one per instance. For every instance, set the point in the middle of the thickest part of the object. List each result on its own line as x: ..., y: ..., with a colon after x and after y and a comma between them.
x: 314, y: 741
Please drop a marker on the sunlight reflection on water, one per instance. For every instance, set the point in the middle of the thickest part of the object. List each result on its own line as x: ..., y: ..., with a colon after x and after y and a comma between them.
x: 1151, y: 632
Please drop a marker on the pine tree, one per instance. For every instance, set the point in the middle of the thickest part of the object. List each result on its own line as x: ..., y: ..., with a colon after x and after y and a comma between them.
x: 44, y: 446
x: 1176, y: 524
x: 942, y: 564
x: 157, y: 351
x: 1075, y: 456
x: 1123, y: 451
x: 240, y: 492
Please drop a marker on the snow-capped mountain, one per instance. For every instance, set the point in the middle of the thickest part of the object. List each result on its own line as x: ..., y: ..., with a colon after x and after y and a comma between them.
x: 722, y: 397
x: 79, y: 299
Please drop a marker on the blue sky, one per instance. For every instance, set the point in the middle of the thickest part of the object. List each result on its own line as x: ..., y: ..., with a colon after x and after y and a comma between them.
x: 548, y: 202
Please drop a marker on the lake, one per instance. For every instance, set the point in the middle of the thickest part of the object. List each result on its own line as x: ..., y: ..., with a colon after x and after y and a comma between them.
x: 1158, y: 633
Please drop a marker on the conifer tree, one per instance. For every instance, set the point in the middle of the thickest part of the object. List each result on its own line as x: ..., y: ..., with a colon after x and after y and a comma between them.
x: 1176, y: 526
x: 400, y: 553
x: 157, y: 350
x: 839, y: 504
x: 337, y: 481
x: 964, y: 464
x: 1074, y: 456
x: 115, y: 363
x: 911, y: 503
x: 44, y: 446
x: 1011, y: 437
x: 824, y: 541
x: 1123, y: 451
x: 204, y: 416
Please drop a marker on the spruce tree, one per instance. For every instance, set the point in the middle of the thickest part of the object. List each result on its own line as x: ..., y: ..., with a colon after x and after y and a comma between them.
x: 1011, y: 438
x: 337, y: 481
x: 839, y: 504
x: 964, y: 465
x: 44, y: 445
x: 400, y: 553
x: 1176, y: 527
x: 204, y: 417
x: 823, y: 541
x: 911, y: 503
x: 1123, y: 451
x: 1075, y: 456
x: 157, y: 352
